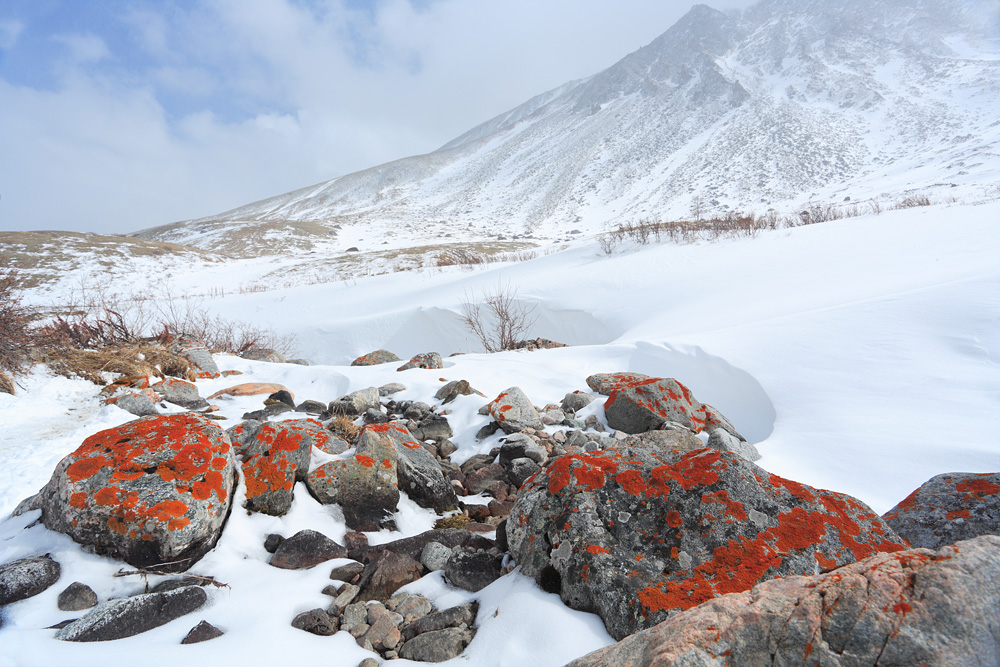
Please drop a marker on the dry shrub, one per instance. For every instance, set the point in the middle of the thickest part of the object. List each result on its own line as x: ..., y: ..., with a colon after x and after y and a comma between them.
x: 913, y: 201
x: 6, y: 385
x: 344, y: 427
x: 498, y: 319
x: 148, y: 360
x: 15, y: 326
x: 454, y: 521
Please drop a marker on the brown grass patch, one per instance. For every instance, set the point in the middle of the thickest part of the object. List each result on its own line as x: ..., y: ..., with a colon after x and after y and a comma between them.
x: 6, y: 384
x: 148, y: 360
x: 345, y: 427
x: 454, y: 521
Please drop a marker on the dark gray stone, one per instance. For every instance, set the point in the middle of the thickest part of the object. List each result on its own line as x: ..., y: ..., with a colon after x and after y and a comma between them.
x: 126, y: 617
x: 437, y: 646
x: 317, y: 622
x: 386, y: 573
x: 77, y: 597
x: 27, y: 577
x: 305, y: 549
x: 202, y: 632
x: 576, y: 400
x: 347, y: 572
x: 473, y: 571
x: 453, y: 617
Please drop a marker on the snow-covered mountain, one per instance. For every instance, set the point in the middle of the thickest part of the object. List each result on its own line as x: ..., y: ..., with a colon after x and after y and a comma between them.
x: 787, y: 102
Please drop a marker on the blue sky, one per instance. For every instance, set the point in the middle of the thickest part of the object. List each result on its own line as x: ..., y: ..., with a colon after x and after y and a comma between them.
x: 117, y: 115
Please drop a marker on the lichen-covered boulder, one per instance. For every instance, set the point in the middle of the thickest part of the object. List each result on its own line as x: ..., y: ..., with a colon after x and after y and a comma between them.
x: 637, y: 535
x: 274, y: 455
x: 913, y: 607
x: 195, y: 352
x: 513, y: 411
x: 179, y: 392
x: 375, y: 358
x: 605, y: 383
x: 153, y: 491
x: 366, y: 485
x: 948, y: 508
x: 423, y: 360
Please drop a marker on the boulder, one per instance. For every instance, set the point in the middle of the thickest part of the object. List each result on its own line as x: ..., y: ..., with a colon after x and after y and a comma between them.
x: 913, y: 607
x: 375, y: 358
x: 126, y: 617
x: 725, y: 441
x: 455, y: 617
x: 273, y: 410
x: 948, y: 508
x: 263, y: 354
x: 386, y: 573
x: 179, y: 392
x: 482, y: 479
x: 365, y: 486
x: 605, y: 383
x: 513, y: 411
x: 453, y: 390
x: 347, y: 573
x: 27, y: 577
x: 391, y: 388
x: 473, y: 571
x: 197, y: 354
x: 153, y: 492
x: 311, y: 407
x: 437, y: 646
x: 316, y: 621
x: 576, y: 400
x: 423, y: 360
x: 274, y: 456
x: 636, y: 534
x: 139, y: 402
x: 250, y: 389
x: 283, y: 396
x: 305, y: 549
x: 76, y: 597
x: 435, y: 556
x: 356, y: 402
x: 646, y: 405
x: 414, y: 546
x: 409, y: 606
x: 419, y: 474
x: 433, y: 427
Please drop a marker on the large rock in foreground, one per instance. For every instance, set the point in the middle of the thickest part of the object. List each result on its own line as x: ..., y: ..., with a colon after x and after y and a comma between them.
x: 154, y: 491
x: 127, y: 617
x: 948, y: 508
x: 365, y: 486
x: 636, y: 535
x: 914, y: 607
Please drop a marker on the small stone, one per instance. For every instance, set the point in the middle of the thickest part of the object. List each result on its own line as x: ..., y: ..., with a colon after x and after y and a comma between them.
x: 272, y: 542
x: 316, y: 621
x: 202, y: 633
x: 305, y: 549
x: 347, y: 572
x: 435, y: 556
x: 77, y: 597
x: 27, y: 577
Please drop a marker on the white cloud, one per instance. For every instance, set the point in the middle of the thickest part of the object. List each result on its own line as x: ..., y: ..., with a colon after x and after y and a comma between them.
x: 243, y: 99
x: 9, y: 32
x: 84, y: 48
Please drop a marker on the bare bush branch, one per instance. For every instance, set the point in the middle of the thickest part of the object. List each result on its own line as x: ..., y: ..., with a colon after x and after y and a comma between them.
x: 498, y: 319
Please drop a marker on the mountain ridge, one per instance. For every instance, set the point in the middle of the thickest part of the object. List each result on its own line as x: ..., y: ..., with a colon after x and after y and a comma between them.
x: 777, y: 105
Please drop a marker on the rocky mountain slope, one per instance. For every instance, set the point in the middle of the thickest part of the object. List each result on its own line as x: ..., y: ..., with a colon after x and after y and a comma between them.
x: 785, y: 103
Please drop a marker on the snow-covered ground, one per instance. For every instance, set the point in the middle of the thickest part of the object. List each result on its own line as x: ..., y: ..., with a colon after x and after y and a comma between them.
x: 861, y: 355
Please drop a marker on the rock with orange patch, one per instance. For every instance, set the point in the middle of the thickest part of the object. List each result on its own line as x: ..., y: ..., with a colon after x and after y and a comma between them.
x: 195, y: 352
x: 647, y: 405
x: 365, y: 485
x: 948, y: 508
x: 375, y: 358
x: 913, y: 607
x: 156, y: 490
x: 637, y: 534
x: 420, y: 476
x: 423, y: 360
x: 179, y: 392
x: 605, y: 383
x: 275, y: 455
x: 513, y: 411
x: 251, y: 389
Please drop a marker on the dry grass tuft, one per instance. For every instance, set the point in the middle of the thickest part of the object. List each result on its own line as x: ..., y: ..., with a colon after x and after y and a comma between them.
x: 6, y: 384
x: 454, y: 521
x: 130, y: 360
x: 345, y: 427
